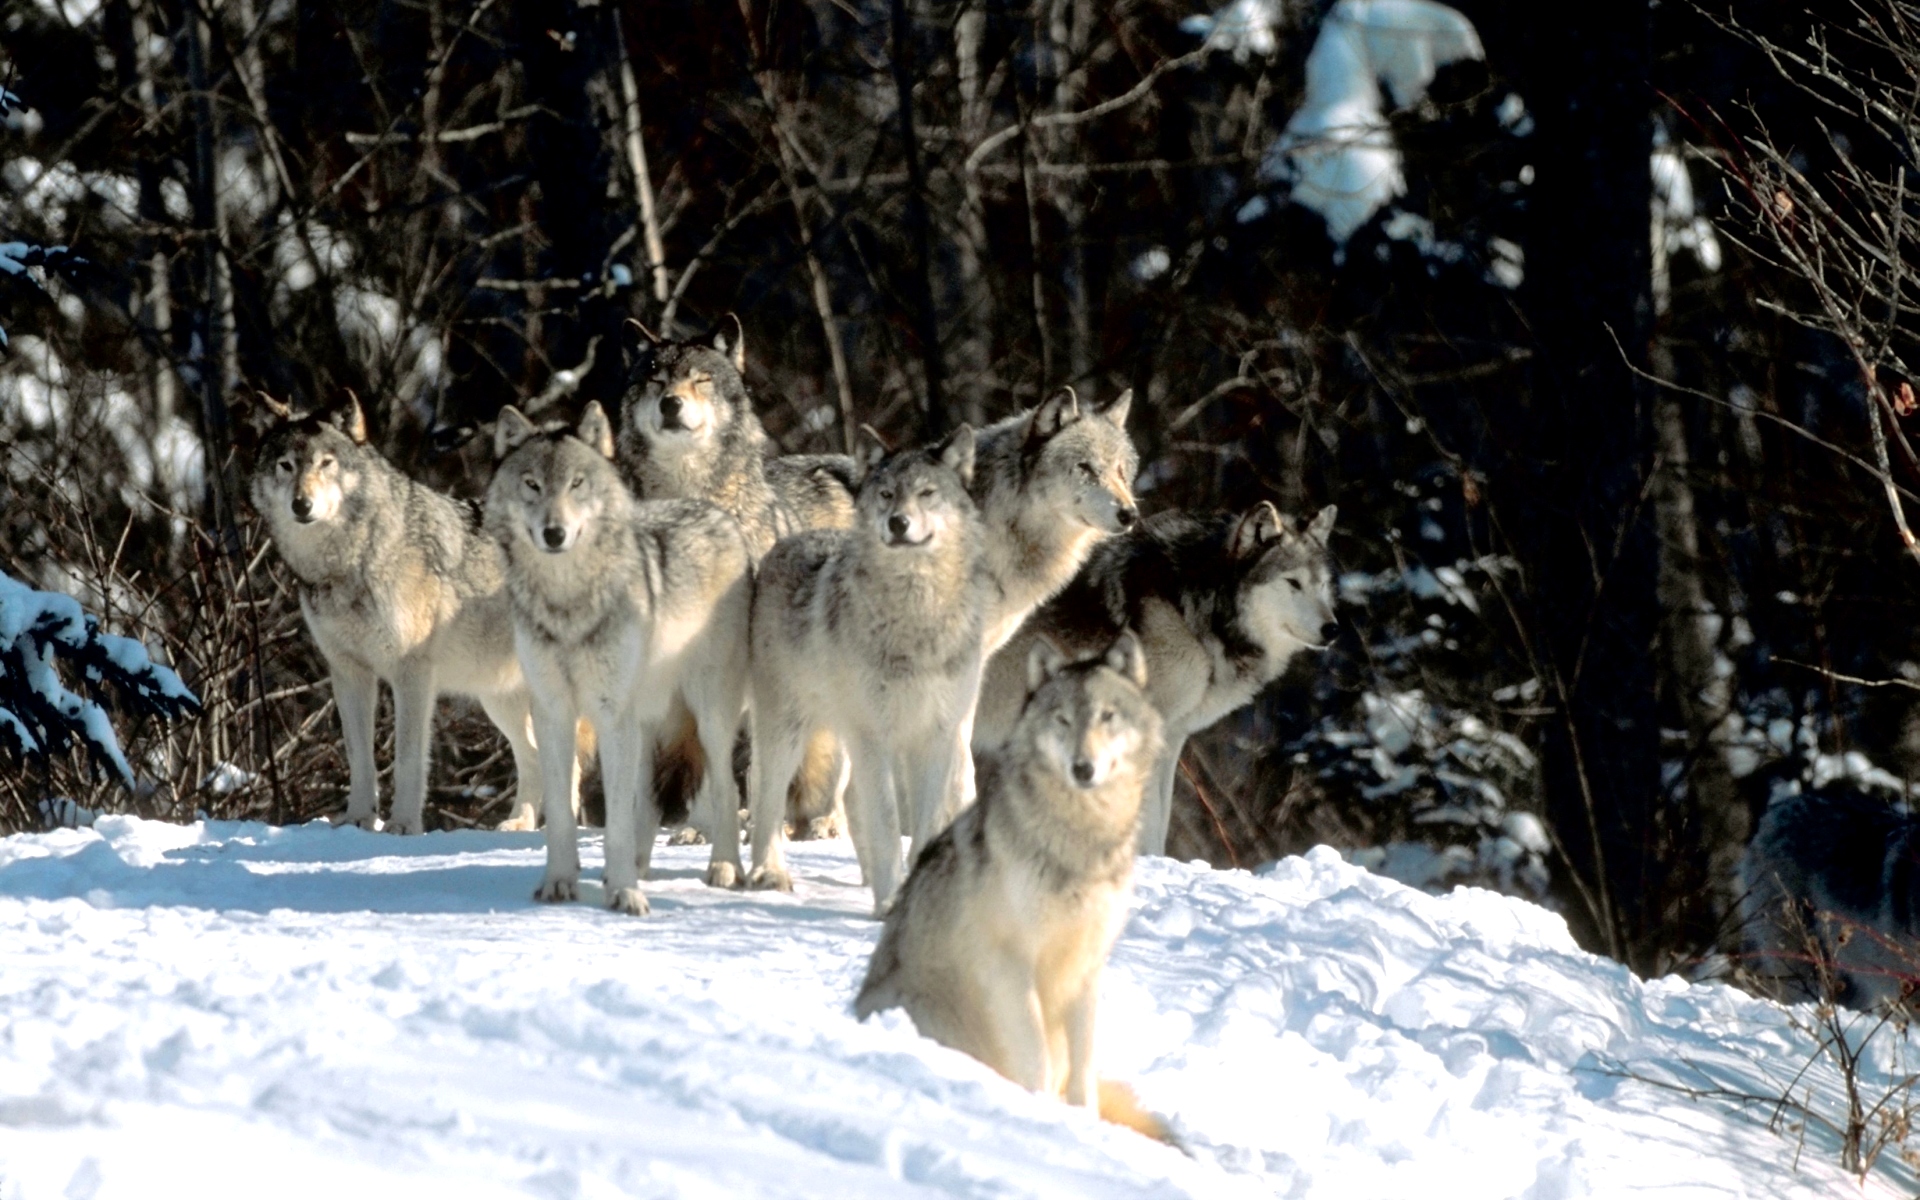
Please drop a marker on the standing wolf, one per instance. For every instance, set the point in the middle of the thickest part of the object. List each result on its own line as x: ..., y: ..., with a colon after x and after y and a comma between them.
x: 874, y: 635
x: 996, y: 944
x: 1834, y: 873
x: 1221, y: 605
x: 622, y: 610
x: 688, y: 431
x: 397, y: 583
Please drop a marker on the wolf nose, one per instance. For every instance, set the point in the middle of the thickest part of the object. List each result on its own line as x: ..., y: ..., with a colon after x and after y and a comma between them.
x: 897, y: 525
x: 554, y: 536
x: 1082, y: 771
x: 1330, y: 631
x: 669, y: 408
x: 1127, y: 516
x: 302, y: 507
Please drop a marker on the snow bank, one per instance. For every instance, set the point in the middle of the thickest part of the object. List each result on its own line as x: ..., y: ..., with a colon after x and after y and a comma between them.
x: 231, y: 1006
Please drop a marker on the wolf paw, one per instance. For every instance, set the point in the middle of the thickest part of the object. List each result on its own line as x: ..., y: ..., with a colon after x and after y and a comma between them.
x: 820, y: 829
x: 366, y: 821
x: 410, y: 825
x: 518, y: 823
x: 629, y: 900
x: 687, y: 835
x: 723, y: 875
x: 557, y: 891
x: 770, y: 879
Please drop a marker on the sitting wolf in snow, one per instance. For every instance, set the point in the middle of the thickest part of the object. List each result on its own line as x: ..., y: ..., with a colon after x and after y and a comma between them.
x: 397, y: 583
x: 623, y: 611
x: 874, y: 635
x: 996, y: 944
x: 1221, y: 605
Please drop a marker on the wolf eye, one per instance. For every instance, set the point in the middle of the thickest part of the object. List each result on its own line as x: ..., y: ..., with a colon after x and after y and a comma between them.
x: 926, y: 493
x: 886, y: 493
x: 1294, y: 584
x: 325, y: 461
x: 1063, y: 719
x: 1087, y: 469
x: 1106, y: 717
x: 579, y: 481
x: 531, y: 484
x: 286, y: 466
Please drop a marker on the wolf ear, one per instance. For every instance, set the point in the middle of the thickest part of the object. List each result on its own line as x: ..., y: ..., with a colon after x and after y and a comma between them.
x: 869, y: 451
x: 510, y: 429
x: 958, y: 454
x: 634, y: 324
x: 1126, y: 657
x: 1061, y: 410
x: 734, y: 346
x: 1322, y: 524
x: 595, y: 430
x: 348, y: 418
x: 281, y: 412
x: 1118, y: 410
x: 1260, y: 525
x: 1043, y: 663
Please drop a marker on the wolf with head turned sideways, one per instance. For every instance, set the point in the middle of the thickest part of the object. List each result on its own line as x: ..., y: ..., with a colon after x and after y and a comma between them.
x: 624, y: 612
x: 872, y: 634
x: 1221, y: 604
x: 997, y: 942
x: 397, y: 583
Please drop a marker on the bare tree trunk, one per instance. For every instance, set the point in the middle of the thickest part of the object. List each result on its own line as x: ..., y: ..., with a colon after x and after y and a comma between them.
x: 637, y: 160
x: 933, y: 419
x: 976, y: 294
x: 208, y: 355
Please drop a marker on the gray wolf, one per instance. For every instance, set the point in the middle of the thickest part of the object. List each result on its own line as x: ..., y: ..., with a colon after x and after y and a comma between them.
x: 874, y: 635
x: 398, y: 584
x: 996, y: 944
x: 1833, y: 874
x: 688, y: 431
x: 623, y: 612
x: 1221, y: 604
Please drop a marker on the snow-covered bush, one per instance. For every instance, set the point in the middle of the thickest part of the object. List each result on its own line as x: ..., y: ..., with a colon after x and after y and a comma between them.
x: 39, y: 714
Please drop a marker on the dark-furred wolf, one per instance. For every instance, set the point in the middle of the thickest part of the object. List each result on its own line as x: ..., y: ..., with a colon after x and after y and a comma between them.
x: 624, y: 611
x: 874, y: 635
x: 1834, y: 873
x: 397, y: 583
x: 1221, y: 604
x: 996, y: 944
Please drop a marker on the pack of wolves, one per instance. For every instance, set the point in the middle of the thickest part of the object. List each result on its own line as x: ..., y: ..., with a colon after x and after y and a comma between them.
x: 979, y: 644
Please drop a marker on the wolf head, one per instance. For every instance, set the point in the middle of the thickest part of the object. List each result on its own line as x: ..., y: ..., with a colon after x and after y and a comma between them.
x: 1079, y: 463
x: 1090, y: 723
x: 1286, y: 592
x: 683, y: 398
x: 553, y: 483
x: 917, y: 498
x: 308, y: 466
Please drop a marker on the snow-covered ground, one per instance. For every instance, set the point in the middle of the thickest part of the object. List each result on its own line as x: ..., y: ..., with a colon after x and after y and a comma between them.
x: 232, y: 1009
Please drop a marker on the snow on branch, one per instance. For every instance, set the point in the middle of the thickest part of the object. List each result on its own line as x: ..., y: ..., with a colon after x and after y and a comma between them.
x: 39, y: 715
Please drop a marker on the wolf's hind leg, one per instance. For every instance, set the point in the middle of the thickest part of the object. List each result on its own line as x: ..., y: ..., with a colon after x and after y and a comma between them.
x: 512, y: 714
x: 778, y: 744
x: 719, y: 725
x: 1156, y: 811
x: 356, y: 694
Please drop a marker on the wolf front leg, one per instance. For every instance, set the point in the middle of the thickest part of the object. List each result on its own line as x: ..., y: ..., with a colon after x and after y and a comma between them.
x: 626, y: 763
x: 512, y: 714
x: 356, y: 694
x: 1156, y: 809
x: 1082, y: 1083
x: 413, y: 696
x: 553, y: 726
x: 873, y: 818
x: 1017, y: 1023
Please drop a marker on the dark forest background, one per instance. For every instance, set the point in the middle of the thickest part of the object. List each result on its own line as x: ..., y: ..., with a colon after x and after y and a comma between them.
x: 1611, y: 398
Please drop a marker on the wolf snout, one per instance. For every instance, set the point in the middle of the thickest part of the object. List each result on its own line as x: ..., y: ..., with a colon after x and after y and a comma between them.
x: 1329, y: 631
x: 898, y: 526
x: 669, y: 410
x: 554, y: 536
x: 1127, y: 515
x: 302, y: 508
x: 1082, y: 771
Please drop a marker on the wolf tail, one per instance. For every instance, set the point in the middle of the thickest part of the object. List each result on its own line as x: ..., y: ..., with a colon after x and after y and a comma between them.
x: 1120, y: 1104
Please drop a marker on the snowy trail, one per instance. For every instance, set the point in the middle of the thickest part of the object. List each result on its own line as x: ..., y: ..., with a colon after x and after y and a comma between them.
x: 229, y: 1007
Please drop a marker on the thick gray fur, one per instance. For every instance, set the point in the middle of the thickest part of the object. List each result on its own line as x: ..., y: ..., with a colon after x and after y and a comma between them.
x: 874, y: 635
x: 997, y: 941
x: 397, y: 583
x: 624, y: 612
x: 1221, y: 604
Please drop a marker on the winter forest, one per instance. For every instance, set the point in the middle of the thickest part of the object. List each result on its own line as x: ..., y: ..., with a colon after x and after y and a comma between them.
x: 1593, y: 321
